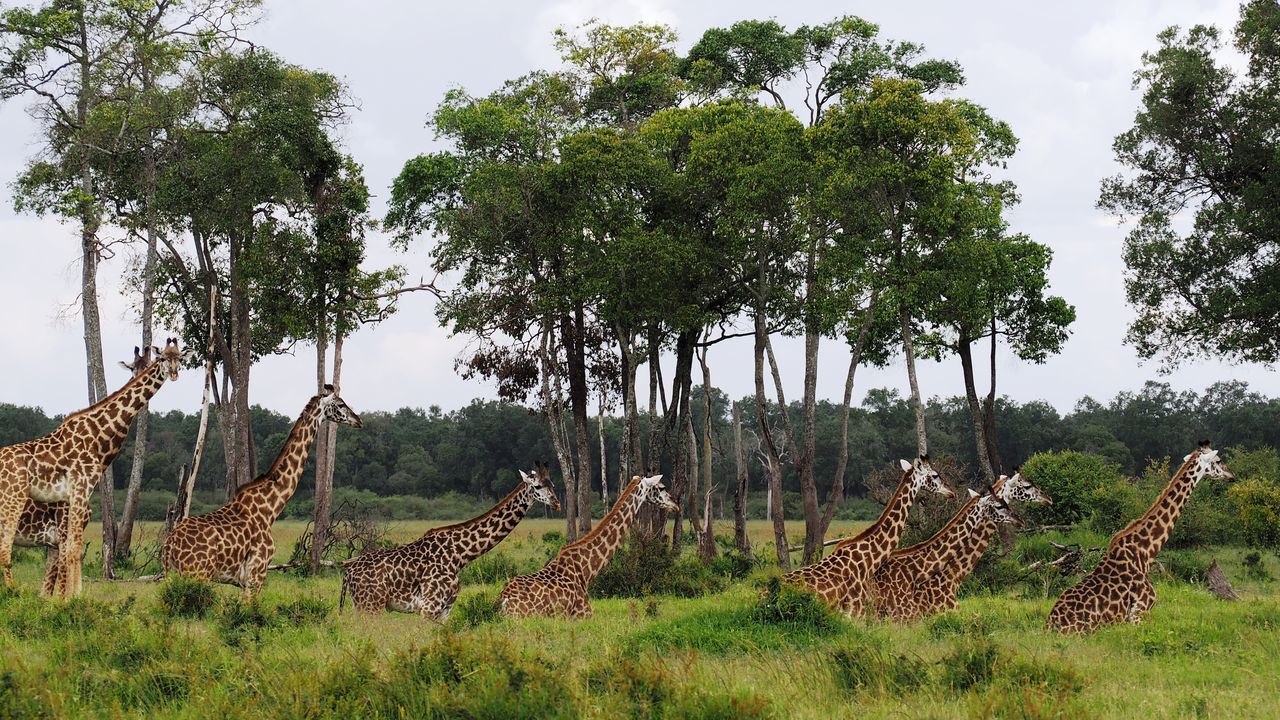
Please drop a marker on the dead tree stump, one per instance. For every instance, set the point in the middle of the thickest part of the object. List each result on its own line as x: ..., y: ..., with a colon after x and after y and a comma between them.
x: 1218, y: 583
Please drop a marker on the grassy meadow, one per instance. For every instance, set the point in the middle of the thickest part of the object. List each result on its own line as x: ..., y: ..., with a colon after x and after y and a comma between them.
x: 130, y: 649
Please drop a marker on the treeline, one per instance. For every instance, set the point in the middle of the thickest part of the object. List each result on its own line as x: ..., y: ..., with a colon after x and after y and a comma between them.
x: 476, y: 450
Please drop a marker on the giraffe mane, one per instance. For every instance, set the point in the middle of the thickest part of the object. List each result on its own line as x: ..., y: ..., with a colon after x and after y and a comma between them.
x: 113, y: 396
x: 485, y: 515
x: 1137, y: 522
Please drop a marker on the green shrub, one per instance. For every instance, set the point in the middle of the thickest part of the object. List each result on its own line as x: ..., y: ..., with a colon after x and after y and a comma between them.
x: 649, y: 690
x: 1185, y: 565
x: 183, y: 597
x: 793, y: 607
x: 872, y: 670
x: 1257, y: 511
x: 1262, y: 464
x: 238, y: 621
x: 492, y: 567
x: 1254, y: 568
x: 475, y: 610
x: 1070, y: 478
x: 20, y: 701
x: 971, y: 665
x: 733, y: 565
x: 553, y: 537
x: 306, y: 610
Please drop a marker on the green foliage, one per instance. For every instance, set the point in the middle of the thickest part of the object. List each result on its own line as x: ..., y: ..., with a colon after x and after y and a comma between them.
x: 645, y: 566
x: 1070, y: 478
x: 871, y: 669
x: 183, y: 597
x: 792, y: 607
x: 1201, y: 287
x: 970, y: 665
x: 494, y: 566
x: 1257, y: 510
x: 474, y: 610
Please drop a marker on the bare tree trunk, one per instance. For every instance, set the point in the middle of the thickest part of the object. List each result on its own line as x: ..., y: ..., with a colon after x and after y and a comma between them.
x: 989, y: 412
x: 197, y: 453
x: 740, y: 538
x: 124, y: 538
x: 325, y: 441
x: 629, y: 462
x: 604, y: 459
x: 575, y: 350
x: 553, y: 407
x: 965, y: 351
x: 842, y: 458
x: 909, y: 350
x: 706, y: 540
x: 771, y: 450
x: 804, y: 462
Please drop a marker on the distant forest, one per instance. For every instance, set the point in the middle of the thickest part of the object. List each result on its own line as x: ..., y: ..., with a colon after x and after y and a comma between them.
x: 474, y: 452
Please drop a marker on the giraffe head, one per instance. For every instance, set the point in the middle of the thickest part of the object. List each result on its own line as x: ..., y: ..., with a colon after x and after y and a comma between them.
x: 333, y: 408
x: 994, y: 507
x: 171, y: 357
x: 1020, y: 489
x: 141, y: 360
x: 924, y: 477
x: 1209, y: 463
x: 652, y: 490
x: 539, y: 481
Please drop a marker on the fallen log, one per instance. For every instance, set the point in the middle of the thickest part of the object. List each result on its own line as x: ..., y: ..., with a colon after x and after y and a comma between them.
x: 1218, y: 583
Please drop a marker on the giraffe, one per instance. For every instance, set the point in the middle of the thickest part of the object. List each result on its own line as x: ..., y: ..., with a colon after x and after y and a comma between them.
x: 560, y: 588
x: 897, y: 582
x: 842, y: 579
x: 1119, y: 589
x: 938, y: 592
x: 422, y: 576
x: 233, y: 544
x: 66, y: 464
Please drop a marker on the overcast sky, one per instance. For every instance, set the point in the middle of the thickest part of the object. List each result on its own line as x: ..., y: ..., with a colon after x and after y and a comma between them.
x: 1059, y: 73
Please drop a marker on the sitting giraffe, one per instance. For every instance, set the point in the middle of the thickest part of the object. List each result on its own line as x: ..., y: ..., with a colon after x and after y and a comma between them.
x: 938, y: 592
x: 67, y: 464
x: 560, y: 588
x: 233, y: 544
x: 1119, y: 589
x: 422, y: 576
x: 843, y: 579
x: 899, y: 581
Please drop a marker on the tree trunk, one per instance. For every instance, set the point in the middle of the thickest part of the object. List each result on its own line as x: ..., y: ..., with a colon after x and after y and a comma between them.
x: 629, y: 457
x: 804, y: 463
x: 706, y: 537
x: 908, y: 349
x: 681, y: 384
x: 188, y: 482
x: 965, y: 350
x: 842, y: 458
x: 771, y: 451
x: 989, y: 412
x: 604, y: 458
x: 553, y: 408
x: 574, y: 337
x: 740, y: 539
x: 124, y: 538
x: 325, y: 441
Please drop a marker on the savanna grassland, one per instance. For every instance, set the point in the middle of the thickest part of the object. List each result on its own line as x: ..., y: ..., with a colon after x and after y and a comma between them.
x: 175, y: 649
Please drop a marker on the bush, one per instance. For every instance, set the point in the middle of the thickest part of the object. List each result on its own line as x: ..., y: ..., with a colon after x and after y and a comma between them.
x: 971, y: 665
x: 787, y: 605
x: 475, y: 610
x: 307, y: 610
x: 870, y: 669
x: 183, y: 597
x: 239, y: 621
x: 1257, y: 511
x: 1070, y: 478
x: 648, y: 566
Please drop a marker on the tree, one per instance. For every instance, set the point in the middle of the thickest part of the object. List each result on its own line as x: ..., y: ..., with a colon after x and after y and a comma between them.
x: 1201, y: 259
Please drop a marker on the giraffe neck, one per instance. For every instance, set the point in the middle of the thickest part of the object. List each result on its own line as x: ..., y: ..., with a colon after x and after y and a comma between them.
x: 477, y: 536
x: 109, y: 419
x: 972, y: 546
x: 594, y: 550
x: 950, y: 541
x: 1158, y: 521
x: 883, y: 535
x: 269, y: 493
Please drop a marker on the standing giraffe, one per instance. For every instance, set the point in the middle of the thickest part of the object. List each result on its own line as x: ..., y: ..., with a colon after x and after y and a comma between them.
x: 842, y: 579
x: 1119, y: 589
x: 422, y: 576
x: 66, y: 464
x: 560, y: 588
x: 233, y: 544
x: 938, y: 592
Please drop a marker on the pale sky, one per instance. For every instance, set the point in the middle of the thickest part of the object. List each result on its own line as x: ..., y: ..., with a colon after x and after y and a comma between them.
x: 1059, y: 74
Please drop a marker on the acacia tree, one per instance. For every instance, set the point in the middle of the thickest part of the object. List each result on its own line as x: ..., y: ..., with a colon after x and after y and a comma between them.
x: 1201, y: 148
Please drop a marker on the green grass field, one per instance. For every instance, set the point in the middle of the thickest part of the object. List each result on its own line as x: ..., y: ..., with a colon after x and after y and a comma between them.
x: 118, y: 652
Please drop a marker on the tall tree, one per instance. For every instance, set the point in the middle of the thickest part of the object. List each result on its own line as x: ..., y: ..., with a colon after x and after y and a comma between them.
x: 1203, y: 186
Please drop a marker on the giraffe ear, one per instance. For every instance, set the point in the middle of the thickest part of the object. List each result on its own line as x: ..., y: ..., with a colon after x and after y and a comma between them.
x: 126, y: 366
x: 525, y: 477
x: 1188, y: 457
x: 973, y: 493
x: 905, y: 465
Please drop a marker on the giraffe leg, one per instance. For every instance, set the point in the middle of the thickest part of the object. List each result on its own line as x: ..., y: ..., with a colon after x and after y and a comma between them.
x: 53, y: 580
x: 71, y: 551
